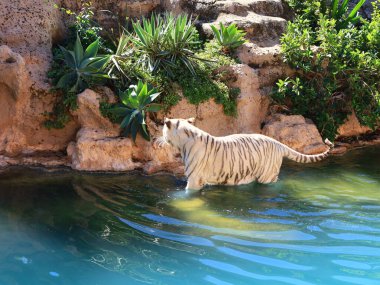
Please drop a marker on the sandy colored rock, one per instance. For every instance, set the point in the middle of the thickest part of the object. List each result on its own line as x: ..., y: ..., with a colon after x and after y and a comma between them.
x: 12, y: 75
x: 209, y: 10
x: 252, y: 106
x: 94, y: 150
x: 260, y: 29
x: 99, y: 147
x: 352, y: 127
x: 255, y: 56
x: 110, y: 13
x: 296, y: 132
x: 28, y: 29
x: 88, y: 113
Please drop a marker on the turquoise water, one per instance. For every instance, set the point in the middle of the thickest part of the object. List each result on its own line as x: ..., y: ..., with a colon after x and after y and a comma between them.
x: 320, y: 224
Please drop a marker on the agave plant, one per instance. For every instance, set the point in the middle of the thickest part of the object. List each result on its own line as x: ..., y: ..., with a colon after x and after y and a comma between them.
x: 229, y: 37
x: 339, y: 12
x: 164, y: 41
x: 135, y: 102
x: 84, y: 65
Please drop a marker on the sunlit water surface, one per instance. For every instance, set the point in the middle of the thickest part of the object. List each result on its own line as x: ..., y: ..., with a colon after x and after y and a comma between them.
x: 320, y: 224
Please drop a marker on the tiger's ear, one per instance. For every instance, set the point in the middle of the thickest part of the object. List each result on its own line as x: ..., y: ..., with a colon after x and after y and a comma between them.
x: 191, y: 120
x: 167, y: 122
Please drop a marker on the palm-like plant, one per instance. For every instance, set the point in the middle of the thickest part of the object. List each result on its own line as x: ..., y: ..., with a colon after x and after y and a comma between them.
x: 229, y: 37
x: 339, y: 12
x: 118, y: 57
x: 84, y: 65
x: 135, y: 102
x: 165, y: 41
x: 181, y: 37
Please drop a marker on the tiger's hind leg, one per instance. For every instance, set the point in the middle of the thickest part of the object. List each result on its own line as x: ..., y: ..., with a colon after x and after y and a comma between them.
x: 271, y: 172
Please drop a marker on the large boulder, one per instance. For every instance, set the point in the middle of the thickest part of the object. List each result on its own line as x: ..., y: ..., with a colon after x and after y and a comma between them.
x: 99, y: 147
x: 29, y: 28
x: 296, y: 132
x: 12, y: 76
x: 110, y: 13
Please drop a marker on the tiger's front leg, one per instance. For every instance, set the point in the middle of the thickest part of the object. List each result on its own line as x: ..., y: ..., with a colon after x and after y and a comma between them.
x: 194, y: 184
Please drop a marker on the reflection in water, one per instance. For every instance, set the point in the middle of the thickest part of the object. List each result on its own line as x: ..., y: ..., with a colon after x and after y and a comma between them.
x: 319, y: 225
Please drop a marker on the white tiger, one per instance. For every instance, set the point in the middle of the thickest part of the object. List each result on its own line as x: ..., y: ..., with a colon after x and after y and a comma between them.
x: 232, y: 160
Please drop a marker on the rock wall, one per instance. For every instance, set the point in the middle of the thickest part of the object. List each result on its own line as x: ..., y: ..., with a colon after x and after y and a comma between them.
x: 28, y: 29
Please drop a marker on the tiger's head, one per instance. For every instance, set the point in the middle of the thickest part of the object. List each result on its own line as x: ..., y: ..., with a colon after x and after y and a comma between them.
x: 175, y: 131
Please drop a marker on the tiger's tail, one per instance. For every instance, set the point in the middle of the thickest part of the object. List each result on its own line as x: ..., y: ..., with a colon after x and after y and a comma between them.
x: 305, y: 158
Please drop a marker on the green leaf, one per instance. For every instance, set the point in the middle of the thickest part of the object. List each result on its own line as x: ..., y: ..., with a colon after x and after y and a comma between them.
x: 67, y: 80
x: 78, y: 50
x: 355, y: 10
x: 134, y: 129
x: 69, y: 57
x: 92, y: 50
x: 152, y: 97
x: 128, y: 119
x: 343, y: 8
x: 99, y: 62
x: 120, y: 111
x: 144, y: 132
x: 334, y: 10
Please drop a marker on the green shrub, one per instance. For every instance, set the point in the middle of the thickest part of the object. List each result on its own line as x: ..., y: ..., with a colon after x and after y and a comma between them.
x: 165, y: 42
x: 209, y: 83
x: 337, y: 71
x: 229, y: 37
x: 134, y: 103
x: 334, y: 9
x: 164, y: 51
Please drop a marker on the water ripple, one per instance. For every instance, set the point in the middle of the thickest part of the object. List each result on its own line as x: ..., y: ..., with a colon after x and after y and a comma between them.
x: 356, y: 280
x: 352, y: 264
x: 241, y: 272
x: 350, y: 236
x: 348, y: 250
x: 339, y: 225
x: 189, y: 239
x: 263, y: 260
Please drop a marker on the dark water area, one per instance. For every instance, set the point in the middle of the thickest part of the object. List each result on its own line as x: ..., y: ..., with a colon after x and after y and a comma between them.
x: 320, y: 224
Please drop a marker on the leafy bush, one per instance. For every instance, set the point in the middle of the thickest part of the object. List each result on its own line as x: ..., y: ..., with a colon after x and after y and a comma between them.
x: 337, y: 71
x: 229, y: 37
x: 334, y: 9
x: 164, y: 42
x: 134, y: 103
